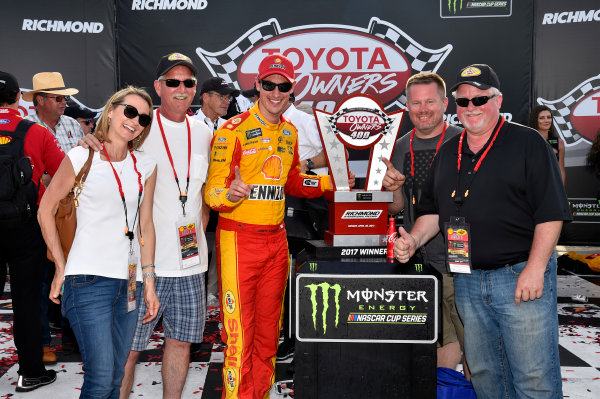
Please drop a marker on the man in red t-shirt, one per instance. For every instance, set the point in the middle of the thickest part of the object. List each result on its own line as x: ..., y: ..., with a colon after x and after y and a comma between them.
x: 22, y: 247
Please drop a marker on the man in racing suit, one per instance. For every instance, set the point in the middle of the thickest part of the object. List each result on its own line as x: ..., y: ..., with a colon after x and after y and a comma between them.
x: 254, y: 161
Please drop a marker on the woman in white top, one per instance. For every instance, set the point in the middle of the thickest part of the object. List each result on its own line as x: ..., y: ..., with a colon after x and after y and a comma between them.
x: 103, y: 266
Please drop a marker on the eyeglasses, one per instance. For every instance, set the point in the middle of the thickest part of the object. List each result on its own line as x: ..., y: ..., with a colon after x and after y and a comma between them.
x: 189, y: 83
x: 131, y: 112
x: 59, y: 99
x: 270, y: 86
x: 477, y: 101
x: 222, y: 97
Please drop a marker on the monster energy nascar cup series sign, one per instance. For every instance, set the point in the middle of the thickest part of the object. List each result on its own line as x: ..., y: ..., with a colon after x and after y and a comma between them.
x: 366, y: 308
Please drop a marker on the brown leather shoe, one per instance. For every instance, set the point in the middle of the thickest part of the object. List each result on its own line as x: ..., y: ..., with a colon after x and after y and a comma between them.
x: 49, y: 356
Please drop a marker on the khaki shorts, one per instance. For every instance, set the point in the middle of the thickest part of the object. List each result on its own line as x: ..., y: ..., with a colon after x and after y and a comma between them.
x: 451, y: 324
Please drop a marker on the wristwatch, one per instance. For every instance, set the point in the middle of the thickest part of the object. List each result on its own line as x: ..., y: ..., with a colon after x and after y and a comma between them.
x: 310, y: 164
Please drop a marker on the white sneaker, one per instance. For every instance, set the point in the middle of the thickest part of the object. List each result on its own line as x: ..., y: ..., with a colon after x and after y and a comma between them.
x: 212, y: 301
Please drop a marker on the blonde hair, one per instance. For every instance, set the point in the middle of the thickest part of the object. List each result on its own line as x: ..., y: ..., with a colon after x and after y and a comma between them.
x: 101, y: 131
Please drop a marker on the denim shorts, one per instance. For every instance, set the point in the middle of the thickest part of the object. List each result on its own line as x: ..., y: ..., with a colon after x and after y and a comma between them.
x: 182, y: 307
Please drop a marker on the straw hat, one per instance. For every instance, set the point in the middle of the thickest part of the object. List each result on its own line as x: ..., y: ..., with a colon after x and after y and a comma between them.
x: 49, y: 82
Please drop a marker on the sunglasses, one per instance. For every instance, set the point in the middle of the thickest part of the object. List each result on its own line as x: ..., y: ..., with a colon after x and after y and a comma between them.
x: 222, y: 97
x: 270, y: 86
x: 131, y: 112
x: 88, y: 122
x: 59, y: 99
x: 189, y: 83
x: 477, y: 101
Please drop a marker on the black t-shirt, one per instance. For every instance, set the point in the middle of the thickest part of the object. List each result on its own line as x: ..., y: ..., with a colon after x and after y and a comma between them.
x: 518, y: 186
x: 424, y: 150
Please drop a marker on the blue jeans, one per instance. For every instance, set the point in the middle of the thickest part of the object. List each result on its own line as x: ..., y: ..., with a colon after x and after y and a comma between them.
x: 96, y: 307
x: 512, y: 351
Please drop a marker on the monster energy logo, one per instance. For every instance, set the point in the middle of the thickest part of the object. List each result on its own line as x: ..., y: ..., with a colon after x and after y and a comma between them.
x: 312, y: 266
x: 418, y: 267
x: 452, y: 3
x: 325, y: 287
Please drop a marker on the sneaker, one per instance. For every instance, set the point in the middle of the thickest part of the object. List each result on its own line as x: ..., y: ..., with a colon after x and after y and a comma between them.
x: 48, y: 357
x: 26, y: 384
x: 212, y: 301
x: 286, y: 349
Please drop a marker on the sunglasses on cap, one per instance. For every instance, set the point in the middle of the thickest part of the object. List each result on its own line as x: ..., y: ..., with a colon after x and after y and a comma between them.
x: 270, y: 86
x: 59, y: 99
x: 189, y: 83
x: 131, y: 112
x: 477, y: 101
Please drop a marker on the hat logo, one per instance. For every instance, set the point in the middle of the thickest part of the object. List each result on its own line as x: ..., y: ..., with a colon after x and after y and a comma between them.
x: 178, y: 56
x: 470, y: 71
x: 280, y: 66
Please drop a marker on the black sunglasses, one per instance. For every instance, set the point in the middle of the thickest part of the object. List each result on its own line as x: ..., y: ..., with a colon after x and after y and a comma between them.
x: 131, y: 112
x: 87, y: 122
x: 270, y: 86
x: 189, y: 83
x: 59, y: 99
x: 477, y: 101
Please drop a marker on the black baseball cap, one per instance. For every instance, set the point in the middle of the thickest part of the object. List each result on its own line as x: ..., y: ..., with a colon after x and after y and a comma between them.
x: 218, y: 85
x: 481, y: 76
x: 250, y: 92
x: 8, y: 82
x: 172, y: 60
x: 79, y: 112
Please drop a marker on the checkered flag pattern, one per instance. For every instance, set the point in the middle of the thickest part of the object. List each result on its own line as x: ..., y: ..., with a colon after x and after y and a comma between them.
x: 224, y: 63
x: 561, y: 109
x: 421, y: 59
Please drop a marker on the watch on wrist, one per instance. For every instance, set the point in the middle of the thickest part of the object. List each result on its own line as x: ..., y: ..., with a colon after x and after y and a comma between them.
x: 310, y: 164
x: 149, y: 275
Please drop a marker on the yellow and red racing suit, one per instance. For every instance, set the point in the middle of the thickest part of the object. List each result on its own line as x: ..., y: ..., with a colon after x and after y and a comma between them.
x: 252, y: 251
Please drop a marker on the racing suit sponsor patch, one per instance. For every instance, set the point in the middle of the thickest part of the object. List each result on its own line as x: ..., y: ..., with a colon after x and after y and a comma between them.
x: 253, y: 133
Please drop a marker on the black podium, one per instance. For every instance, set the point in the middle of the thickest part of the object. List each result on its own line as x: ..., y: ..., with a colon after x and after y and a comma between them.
x: 363, y: 329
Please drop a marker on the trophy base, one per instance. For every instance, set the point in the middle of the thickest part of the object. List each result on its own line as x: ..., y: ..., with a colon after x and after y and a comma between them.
x: 352, y: 240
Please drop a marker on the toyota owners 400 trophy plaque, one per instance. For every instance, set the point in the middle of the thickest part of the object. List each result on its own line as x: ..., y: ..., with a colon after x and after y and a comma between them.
x: 358, y: 217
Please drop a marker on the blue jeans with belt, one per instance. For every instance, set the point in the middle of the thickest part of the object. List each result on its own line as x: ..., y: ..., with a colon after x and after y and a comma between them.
x: 96, y: 307
x: 512, y: 351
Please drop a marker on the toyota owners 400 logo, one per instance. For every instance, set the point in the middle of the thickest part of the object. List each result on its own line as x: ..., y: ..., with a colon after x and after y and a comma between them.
x: 331, y: 61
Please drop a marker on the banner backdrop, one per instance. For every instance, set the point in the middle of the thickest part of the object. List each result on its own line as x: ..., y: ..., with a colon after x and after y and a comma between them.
x: 567, y: 80
x: 75, y: 38
x: 340, y: 47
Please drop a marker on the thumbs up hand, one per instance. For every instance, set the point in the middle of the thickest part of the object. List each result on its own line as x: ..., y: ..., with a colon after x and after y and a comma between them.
x: 238, y: 189
x: 405, y: 246
x: 393, y: 179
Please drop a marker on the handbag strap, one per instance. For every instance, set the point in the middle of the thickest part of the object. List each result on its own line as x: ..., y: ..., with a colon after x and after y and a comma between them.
x: 82, y: 175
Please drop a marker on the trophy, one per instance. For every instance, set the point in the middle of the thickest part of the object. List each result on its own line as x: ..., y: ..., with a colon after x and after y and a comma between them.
x: 358, y: 217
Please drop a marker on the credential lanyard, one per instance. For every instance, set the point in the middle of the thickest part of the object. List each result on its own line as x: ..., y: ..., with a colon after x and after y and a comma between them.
x: 128, y: 232
x: 182, y: 194
x: 459, y: 200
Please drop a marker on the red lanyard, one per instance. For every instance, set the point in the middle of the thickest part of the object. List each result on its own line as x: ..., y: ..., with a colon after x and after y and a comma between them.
x: 479, y: 162
x: 182, y: 194
x: 412, y: 154
x: 128, y: 232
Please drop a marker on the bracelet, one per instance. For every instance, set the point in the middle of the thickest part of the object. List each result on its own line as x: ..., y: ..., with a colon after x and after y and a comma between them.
x: 149, y: 275
x: 147, y: 266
